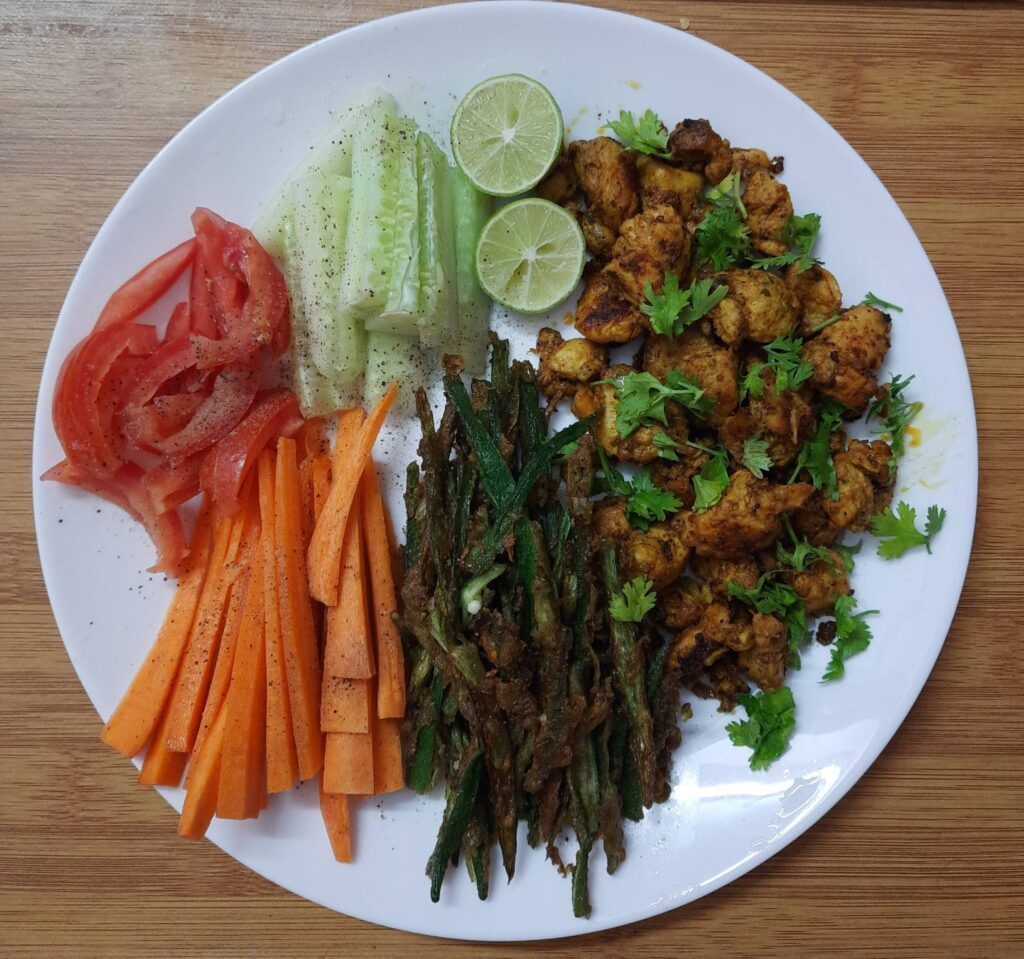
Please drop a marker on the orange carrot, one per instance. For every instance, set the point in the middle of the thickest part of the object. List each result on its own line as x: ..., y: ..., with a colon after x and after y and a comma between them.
x: 388, y: 775
x: 193, y: 681
x: 348, y: 652
x: 282, y: 762
x: 390, y: 660
x: 162, y: 766
x: 308, y: 504
x: 201, y: 796
x: 298, y: 632
x: 243, y: 762
x: 139, y: 711
x: 312, y: 439
x: 335, y: 812
x: 345, y: 706
x: 348, y: 764
x: 328, y: 540
x: 321, y: 470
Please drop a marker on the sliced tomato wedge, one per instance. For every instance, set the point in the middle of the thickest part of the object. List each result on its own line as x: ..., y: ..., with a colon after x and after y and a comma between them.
x: 275, y: 413
x: 174, y: 481
x: 180, y: 323
x: 162, y: 417
x: 234, y: 389
x: 147, y: 286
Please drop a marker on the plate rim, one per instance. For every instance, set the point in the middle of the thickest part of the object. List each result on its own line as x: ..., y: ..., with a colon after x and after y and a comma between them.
x: 896, y: 715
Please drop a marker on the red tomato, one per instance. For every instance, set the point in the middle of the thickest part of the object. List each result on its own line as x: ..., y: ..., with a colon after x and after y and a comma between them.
x: 147, y: 286
x: 180, y: 323
x: 159, y: 419
x: 174, y: 481
x: 275, y: 413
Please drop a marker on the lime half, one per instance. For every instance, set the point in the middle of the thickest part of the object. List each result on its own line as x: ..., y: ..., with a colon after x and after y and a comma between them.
x: 530, y: 255
x: 506, y: 134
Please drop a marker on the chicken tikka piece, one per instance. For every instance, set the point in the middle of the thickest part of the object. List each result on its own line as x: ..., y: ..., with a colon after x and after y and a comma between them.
x: 768, y: 352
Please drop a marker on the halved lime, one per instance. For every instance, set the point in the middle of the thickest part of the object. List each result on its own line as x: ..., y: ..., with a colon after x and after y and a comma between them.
x: 506, y: 134
x: 530, y: 255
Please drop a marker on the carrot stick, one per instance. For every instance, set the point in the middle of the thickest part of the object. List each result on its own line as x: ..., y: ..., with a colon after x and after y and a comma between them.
x: 328, y: 541
x: 243, y: 761
x: 162, y: 766
x: 335, y: 812
x: 201, y: 796
x: 298, y: 632
x: 139, y: 711
x: 321, y: 474
x: 348, y: 652
x: 390, y: 660
x: 312, y: 439
x: 282, y: 761
x: 388, y: 775
x: 345, y: 707
x: 193, y: 681
x: 348, y: 764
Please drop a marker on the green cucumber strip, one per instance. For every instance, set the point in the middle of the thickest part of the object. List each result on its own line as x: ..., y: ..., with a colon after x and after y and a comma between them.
x: 471, y: 209
x: 391, y: 356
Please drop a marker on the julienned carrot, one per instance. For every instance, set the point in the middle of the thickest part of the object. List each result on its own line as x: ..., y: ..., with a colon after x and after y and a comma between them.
x: 328, y: 540
x: 348, y: 764
x: 390, y: 660
x: 298, y: 631
x: 348, y: 649
x: 388, y: 775
x: 162, y: 766
x: 193, y: 680
x: 139, y: 711
x: 243, y: 778
x: 282, y: 761
x: 345, y: 706
x: 321, y: 470
x: 308, y: 505
x: 312, y: 439
x: 335, y: 812
x: 201, y: 795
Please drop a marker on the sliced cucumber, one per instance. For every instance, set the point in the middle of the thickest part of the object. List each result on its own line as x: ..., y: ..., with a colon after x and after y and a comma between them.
x: 392, y: 357
x: 471, y: 209
x: 437, y: 247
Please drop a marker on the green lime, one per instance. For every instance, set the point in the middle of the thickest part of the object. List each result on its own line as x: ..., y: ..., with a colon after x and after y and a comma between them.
x: 530, y: 255
x: 506, y: 134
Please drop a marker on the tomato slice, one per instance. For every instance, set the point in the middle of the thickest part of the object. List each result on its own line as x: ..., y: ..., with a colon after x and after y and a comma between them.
x: 180, y: 323
x: 174, y: 481
x: 83, y: 425
x: 275, y: 413
x: 201, y: 305
x: 234, y: 389
x: 147, y: 286
x: 221, y: 280
x: 125, y: 489
x: 162, y: 417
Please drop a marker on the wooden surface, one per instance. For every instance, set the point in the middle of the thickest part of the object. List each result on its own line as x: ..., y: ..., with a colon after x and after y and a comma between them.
x: 919, y: 860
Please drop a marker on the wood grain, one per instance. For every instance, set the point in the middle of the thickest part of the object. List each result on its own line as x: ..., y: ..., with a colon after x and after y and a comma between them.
x: 923, y: 858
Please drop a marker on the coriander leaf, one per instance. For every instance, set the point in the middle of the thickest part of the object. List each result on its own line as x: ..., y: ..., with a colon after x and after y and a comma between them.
x: 712, y: 481
x: 641, y: 397
x: 755, y: 456
x: 776, y: 599
x: 634, y: 601
x: 800, y: 233
x: 646, y: 135
x: 753, y: 381
x: 879, y: 303
x: 895, y: 414
x: 666, y: 446
x: 803, y: 554
x: 784, y: 360
x: 722, y: 238
x: 672, y: 310
x: 846, y: 553
x: 853, y: 636
x: 769, y: 728
x: 898, y: 530
x: 647, y: 503
x: 728, y: 194
x: 834, y: 318
x: 816, y: 454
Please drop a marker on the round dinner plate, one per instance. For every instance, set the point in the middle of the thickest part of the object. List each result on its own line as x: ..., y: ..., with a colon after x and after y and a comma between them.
x: 721, y: 819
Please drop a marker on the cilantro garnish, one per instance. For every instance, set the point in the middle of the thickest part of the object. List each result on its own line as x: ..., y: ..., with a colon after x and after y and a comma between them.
x: 767, y: 731
x: 853, y: 636
x: 666, y: 446
x: 645, y: 502
x: 728, y: 193
x: 755, y: 456
x: 816, y: 454
x: 712, y: 481
x: 799, y: 233
x: 646, y: 135
x: 642, y: 397
x: 776, y: 599
x: 672, y: 310
x: 894, y: 413
x: 635, y: 600
x: 803, y: 554
x: 722, y: 238
x: 782, y: 357
x: 879, y: 303
x: 898, y: 530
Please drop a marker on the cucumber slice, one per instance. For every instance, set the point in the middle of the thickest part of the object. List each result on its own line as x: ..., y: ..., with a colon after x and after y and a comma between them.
x: 336, y: 340
x: 390, y: 357
x: 370, y: 239
x: 316, y: 393
x: 437, y: 321
x: 471, y: 209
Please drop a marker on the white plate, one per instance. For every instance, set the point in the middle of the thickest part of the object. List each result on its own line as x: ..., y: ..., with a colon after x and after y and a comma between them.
x: 721, y: 820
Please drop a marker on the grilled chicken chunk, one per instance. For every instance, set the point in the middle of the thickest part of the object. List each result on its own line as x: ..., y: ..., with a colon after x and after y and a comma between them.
x: 607, y: 174
x: 695, y: 146
x: 566, y: 364
x: 759, y: 307
x: 768, y: 207
x: 659, y: 553
x: 817, y: 296
x: 712, y: 366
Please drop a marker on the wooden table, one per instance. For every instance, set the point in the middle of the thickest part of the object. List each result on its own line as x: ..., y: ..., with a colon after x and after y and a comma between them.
x: 918, y: 860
